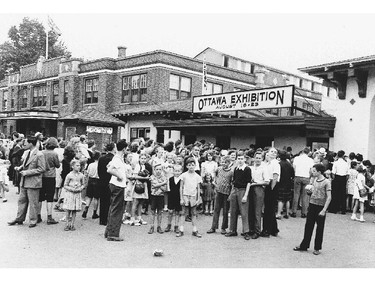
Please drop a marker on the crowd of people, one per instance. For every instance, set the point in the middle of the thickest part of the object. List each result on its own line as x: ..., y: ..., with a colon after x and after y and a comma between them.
x: 134, y: 183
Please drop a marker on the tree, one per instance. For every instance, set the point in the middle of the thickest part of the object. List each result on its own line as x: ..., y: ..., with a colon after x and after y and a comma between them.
x: 27, y: 43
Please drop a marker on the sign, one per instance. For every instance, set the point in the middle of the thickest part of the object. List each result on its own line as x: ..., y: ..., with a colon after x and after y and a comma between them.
x: 100, y: 130
x: 276, y: 97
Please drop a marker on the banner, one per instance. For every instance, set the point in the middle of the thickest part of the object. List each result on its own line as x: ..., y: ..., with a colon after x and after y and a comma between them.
x: 276, y: 97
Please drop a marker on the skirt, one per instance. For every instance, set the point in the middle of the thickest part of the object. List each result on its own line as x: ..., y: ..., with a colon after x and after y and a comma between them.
x: 72, y: 201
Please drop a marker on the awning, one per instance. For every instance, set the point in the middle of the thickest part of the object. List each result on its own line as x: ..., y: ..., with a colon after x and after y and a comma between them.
x: 94, y: 117
x: 29, y: 114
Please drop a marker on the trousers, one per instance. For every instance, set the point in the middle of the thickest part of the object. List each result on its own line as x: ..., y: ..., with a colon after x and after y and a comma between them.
x: 115, y: 211
x: 269, y: 218
x: 236, y: 206
x: 338, y: 194
x: 312, y: 218
x: 28, y: 199
x: 300, y: 193
x: 256, y: 201
x: 105, y: 200
x: 221, y: 202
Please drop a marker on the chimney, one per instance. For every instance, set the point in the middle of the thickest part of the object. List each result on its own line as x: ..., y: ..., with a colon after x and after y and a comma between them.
x: 121, y: 52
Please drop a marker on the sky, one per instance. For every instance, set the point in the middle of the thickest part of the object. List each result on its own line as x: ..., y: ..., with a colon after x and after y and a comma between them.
x: 286, y: 39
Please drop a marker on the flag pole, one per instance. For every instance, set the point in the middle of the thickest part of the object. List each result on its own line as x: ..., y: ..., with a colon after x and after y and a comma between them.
x: 47, y: 39
x: 204, y: 76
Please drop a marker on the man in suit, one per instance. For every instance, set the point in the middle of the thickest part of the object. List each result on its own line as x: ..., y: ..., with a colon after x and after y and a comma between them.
x: 31, y: 181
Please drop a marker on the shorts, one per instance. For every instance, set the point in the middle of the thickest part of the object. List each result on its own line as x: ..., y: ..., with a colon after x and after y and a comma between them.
x: 173, y: 205
x: 189, y: 200
x: 157, y: 203
x: 93, y: 188
x: 47, y: 191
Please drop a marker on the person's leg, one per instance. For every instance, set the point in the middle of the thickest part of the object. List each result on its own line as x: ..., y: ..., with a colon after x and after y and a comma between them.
x: 287, y: 208
x: 67, y: 225
x: 296, y: 194
x: 280, y: 206
x: 74, y: 213
x: 105, y: 198
x: 233, y: 212
x: 333, y: 205
x: 116, y: 211
x: 361, y: 210
x: 33, y: 195
x: 251, y: 215
x: 268, y: 208
x: 194, y: 218
x: 304, y: 196
x: 309, y: 226
x: 169, y: 223
x: 139, y: 210
x: 23, y: 204
x: 258, y: 206
x: 218, y: 205
x: 133, y: 210
x: 244, y: 211
x: 224, y: 202
x: 273, y: 222
x: 320, y: 220
x: 95, y: 208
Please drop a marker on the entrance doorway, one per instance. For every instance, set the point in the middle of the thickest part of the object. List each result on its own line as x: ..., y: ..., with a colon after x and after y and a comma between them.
x: 262, y: 141
x: 223, y: 142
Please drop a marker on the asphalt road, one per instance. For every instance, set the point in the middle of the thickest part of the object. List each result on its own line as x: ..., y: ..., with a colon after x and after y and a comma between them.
x: 346, y: 244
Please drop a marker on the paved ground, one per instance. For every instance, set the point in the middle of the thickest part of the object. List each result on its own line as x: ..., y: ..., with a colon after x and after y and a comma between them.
x: 346, y: 244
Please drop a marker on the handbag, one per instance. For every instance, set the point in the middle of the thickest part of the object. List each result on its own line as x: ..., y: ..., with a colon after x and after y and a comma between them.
x: 362, y: 192
x: 139, y: 187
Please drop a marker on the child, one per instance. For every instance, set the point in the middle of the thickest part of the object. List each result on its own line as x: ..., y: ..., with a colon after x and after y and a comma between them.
x: 93, y: 187
x: 159, y: 184
x: 168, y: 170
x: 174, y: 205
x: 189, y: 194
x: 350, y: 185
x: 209, y: 166
x: 208, y: 188
x: 319, y: 201
x: 73, y: 185
x: 4, y: 180
x: 359, y: 184
x: 128, y: 190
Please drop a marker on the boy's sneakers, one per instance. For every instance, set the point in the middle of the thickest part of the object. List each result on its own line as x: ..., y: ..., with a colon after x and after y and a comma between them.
x: 168, y: 228
x: 196, y: 234
x: 137, y: 223
x: 84, y: 214
x: 151, y: 230
x: 361, y: 219
x: 95, y: 216
x: 127, y: 221
x: 354, y: 217
x: 51, y: 221
x: 4, y: 200
x: 176, y: 228
x: 211, y: 230
x: 180, y: 234
x: 159, y: 230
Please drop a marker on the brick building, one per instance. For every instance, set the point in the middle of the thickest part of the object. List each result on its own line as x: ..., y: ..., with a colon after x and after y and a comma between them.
x: 150, y: 95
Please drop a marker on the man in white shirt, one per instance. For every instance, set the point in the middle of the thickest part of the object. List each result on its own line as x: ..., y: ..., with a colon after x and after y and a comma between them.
x: 339, y: 173
x: 302, y: 168
x: 117, y: 185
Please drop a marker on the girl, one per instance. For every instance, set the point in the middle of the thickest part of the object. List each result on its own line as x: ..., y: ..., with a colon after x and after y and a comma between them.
x: 159, y: 184
x: 4, y: 180
x: 174, y: 205
x: 168, y: 171
x: 208, y: 188
x: 128, y: 190
x: 93, y: 186
x: 350, y: 186
x: 209, y: 166
x: 73, y: 185
x: 359, y: 184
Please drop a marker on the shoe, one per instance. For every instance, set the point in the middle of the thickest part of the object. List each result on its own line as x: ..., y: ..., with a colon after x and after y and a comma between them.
x: 142, y: 222
x: 137, y: 223
x: 211, y: 230
x: 286, y: 217
x: 278, y: 217
x: 39, y: 220
x: 95, y: 216
x: 52, y: 221
x: 299, y: 249
x: 293, y: 215
x: 188, y: 219
x: 223, y: 232
x: 361, y: 219
x: 63, y: 219
x: 274, y: 234
x: 67, y: 228
x: 303, y: 216
x: 196, y: 234
x: 316, y: 252
x: 5, y: 200
x: 168, y: 228
x: 32, y: 225
x: 211, y: 213
x: 106, y: 235
x: 180, y: 234
x: 116, y: 239
x: 247, y: 236
x: 84, y: 214
x: 15, y: 222
x: 264, y: 234
x: 129, y: 222
x: 176, y: 229
x: 206, y: 213
x: 72, y: 228
x: 354, y: 217
x: 343, y: 213
x: 151, y: 230
x: 159, y: 230
x: 255, y: 236
x: 231, y: 234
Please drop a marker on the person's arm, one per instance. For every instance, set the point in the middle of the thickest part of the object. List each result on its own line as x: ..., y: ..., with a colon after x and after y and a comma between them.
x: 66, y: 184
x: 40, y: 168
x: 324, y: 210
x: 246, y: 195
x: 114, y: 172
x: 182, y: 185
x: 56, y: 161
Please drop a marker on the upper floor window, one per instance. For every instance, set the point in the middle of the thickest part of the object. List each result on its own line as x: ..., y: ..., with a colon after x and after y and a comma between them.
x: 226, y: 61
x: 300, y: 83
x: 12, y: 96
x: 55, y: 93
x: 5, y: 100
x: 66, y: 92
x: 39, y: 96
x: 23, y: 94
x: 134, y: 88
x: 213, y: 88
x: 179, y: 87
x: 91, y: 90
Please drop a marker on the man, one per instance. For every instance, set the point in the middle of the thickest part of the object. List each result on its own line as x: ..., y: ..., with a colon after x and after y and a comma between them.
x: 239, y: 202
x: 31, y: 172
x: 260, y: 177
x: 269, y: 218
x: 302, y: 166
x: 39, y: 136
x: 339, y: 174
x: 105, y: 177
x: 117, y: 184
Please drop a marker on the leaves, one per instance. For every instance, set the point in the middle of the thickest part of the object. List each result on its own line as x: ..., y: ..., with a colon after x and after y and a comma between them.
x: 26, y: 44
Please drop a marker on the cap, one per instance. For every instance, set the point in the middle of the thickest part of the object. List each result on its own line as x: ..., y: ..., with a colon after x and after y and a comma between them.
x: 322, y: 150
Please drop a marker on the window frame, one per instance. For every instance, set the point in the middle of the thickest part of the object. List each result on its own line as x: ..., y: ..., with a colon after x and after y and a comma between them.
x: 24, y: 98
x: 179, y: 91
x: 55, y: 97
x: 131, y: 89
x: 40, y: 99
x: 91, y: 94
x: 66, y: 91
x: 213, y: 88
x: 137, y: 130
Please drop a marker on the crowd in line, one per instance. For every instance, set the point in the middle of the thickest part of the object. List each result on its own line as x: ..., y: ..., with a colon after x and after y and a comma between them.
x: 127, y: 180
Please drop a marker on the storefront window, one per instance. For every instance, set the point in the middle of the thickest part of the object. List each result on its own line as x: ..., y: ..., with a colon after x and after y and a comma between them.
x: 136, y: 133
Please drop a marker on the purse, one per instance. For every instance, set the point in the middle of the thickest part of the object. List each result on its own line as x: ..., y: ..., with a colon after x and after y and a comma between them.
x: 139, y: 187
x: 362, y: 192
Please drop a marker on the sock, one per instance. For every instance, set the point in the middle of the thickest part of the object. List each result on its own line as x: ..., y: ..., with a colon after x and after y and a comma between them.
x: 182, y: 228
x: 195, y: 229
x: 94, y: 212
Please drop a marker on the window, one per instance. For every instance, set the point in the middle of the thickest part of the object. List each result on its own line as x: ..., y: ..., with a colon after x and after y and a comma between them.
x: 66, y: 91
x: 24, y: 97
x: 300, y: 83
x: 55, y: 94
x: 91, y: 90
x: 39, y: 96
x: 5, y: 100
x: 134, y: 88
x: 213, y: 88
x: 226, y: 61
x: 179, y: 87
x: 136, y: 133
x: 12, y: 99
x: 252, y: 69
x: 312, y: 86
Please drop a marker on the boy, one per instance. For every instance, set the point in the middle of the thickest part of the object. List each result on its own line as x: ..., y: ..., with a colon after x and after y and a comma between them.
x: 189, y: 194
x: 174, y: 199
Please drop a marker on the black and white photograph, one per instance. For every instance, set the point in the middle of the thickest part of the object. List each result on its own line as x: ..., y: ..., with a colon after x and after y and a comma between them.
x: 154, y: 136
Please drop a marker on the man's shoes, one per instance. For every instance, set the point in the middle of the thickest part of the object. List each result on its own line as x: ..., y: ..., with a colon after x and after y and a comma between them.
x: 176, y: 229
x: 303, y: 216
x: 342, y: 213
x: 52, y: 221
x: 264, y: 234
x: 299, y: 249
x: 72, y: 228
x: 188, y: 219
x: 32, y: 225
x: 67, y: 228
x: 15, y: 222
x: 316, y: 252
x: 274, y: 234
x: 5, y: 200
x: 151, y: 230
x: 116, y: 239
x: 180, y: 234
x: 168, y: 228
x: 196, y: 234
x: 223, y: 232
x: 286, y: 217
x: 293, y: 215
x: 231, y: 234
x: 39, y: 220
x: 211, y: 230
x: 247, y: 236
x: 95, y: 216
x: 84, y: 214
x: 255, y: 236
x: 159, y: 230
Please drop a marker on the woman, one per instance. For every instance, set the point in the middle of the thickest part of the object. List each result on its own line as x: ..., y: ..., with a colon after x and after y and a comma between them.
x: 285, y: 186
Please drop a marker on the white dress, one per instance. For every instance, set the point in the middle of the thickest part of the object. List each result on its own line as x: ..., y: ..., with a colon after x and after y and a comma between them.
x: 358, y: 185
